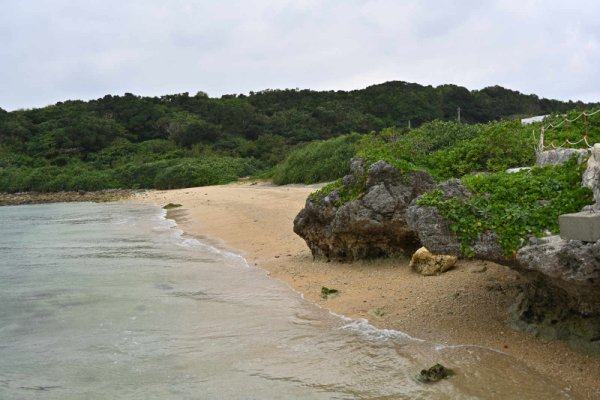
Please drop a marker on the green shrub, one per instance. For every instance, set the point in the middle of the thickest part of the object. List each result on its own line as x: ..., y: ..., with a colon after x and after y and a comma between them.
x: 188, y: 174
x: 500, y: 145
x: 143, y: 175
x: 163, y: 174
x: 515, y: 206
x: 318, y: 161
x: 415, y: 146
x: 191, y: 172
x: 574, y: 131
x: 54, y: 179
x: 451, y: 150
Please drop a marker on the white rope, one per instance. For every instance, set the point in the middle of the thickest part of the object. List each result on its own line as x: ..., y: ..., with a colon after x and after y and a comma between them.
x: 542, y: 146
x: 590, y: 114
x: 551, y: 125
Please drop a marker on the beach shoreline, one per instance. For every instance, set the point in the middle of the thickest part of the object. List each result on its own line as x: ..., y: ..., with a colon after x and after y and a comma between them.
x: 465, y: 306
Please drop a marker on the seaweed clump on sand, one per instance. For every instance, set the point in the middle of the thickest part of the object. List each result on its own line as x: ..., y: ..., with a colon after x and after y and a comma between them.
x: 328, y: 292
x: 434, y: 374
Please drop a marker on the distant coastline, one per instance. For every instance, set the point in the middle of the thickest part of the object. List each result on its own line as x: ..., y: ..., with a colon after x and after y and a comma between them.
x: 14, y: 199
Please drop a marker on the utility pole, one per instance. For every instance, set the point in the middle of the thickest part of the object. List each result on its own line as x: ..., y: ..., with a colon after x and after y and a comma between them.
x: 459, y: 115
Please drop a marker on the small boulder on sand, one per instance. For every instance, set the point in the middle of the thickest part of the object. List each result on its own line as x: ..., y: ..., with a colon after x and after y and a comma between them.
x: 427, y: 264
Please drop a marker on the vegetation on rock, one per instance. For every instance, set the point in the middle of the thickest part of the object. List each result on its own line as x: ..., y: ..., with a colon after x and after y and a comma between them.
x: 451, y: 150
x: 513, y: 205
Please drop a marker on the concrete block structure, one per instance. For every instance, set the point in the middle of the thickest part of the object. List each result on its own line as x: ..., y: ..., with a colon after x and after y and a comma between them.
x: 584, y: 226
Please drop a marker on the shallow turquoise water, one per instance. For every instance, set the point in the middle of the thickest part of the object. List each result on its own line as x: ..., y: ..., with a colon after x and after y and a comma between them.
x: 111, y: 301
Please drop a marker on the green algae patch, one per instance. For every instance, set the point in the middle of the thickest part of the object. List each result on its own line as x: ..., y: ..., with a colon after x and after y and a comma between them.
x: 328, y: 292
x: 434, y: 374
x: 170, y: 206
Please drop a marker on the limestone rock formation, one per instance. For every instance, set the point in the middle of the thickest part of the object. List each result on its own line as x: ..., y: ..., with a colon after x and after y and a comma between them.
x: 429, y: 264
x: 559, y: 156
x: 435, y: 234
x: 374, y: 212
x: 371, y: 225
x: 591, y: 176
x: 563, y: 299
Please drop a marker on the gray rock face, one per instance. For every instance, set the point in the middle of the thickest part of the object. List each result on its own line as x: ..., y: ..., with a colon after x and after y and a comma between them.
x: 563, y: 298
x: 559, y: 156
x: 373, y: 225
x: 571, y: 264
x: 435, y: 234
x: 431, y: 228
x: 591, y: 176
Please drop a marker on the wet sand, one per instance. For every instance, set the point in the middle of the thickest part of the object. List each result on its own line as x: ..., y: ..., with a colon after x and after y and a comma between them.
x: 466, y: 305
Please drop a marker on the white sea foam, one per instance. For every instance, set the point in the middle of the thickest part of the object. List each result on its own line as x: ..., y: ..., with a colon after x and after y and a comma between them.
x: 186, y: 241
x: 363, y: 327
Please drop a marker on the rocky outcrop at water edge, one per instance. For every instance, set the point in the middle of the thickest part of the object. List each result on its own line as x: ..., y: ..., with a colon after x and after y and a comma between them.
x: 365, y: 216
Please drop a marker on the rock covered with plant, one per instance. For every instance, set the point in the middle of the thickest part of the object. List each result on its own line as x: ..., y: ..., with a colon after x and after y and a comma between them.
x: 363, y: 214
x: 509, y: 218
x: 512, y: 219
x: 437, y: 230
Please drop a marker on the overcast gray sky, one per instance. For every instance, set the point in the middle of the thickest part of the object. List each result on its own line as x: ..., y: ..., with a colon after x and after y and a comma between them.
x: 53, y: 50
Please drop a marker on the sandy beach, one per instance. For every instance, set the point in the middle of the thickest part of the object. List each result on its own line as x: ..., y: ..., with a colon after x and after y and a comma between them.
x: 467, y: 305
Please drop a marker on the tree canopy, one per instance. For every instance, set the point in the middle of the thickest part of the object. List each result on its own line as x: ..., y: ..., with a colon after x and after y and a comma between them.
x: 119, y: 132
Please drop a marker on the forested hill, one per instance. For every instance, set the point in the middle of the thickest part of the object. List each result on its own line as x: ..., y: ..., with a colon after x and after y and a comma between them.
x: 120, y: 131
x: 294, y: 115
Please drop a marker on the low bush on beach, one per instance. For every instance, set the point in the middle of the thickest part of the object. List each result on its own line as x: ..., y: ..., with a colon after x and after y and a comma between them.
x: 318, y: 161
x: 202, y: 172
x: 451, y: 150
x: 55, y: 179
x: 499, y: 146
x: 416, y: 145
x: 162, y: 174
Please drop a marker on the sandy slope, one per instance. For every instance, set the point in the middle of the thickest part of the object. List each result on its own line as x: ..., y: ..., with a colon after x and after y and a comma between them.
x: 466, y: 305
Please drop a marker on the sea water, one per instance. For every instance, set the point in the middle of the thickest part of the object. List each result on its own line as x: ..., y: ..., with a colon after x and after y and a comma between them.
x: 111, y: 301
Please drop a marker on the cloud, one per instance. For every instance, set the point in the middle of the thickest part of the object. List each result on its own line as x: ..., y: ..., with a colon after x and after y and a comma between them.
x: 52, y: 51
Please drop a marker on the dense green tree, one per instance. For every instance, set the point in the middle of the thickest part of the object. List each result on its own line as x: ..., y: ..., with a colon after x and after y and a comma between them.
x: 115, y: 140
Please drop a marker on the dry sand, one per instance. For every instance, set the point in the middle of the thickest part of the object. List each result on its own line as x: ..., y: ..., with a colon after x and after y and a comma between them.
x: 467, y: 305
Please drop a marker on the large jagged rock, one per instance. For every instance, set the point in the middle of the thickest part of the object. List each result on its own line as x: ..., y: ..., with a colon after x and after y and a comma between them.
x: 374, y: 224
x: 562, y: 299
x: 434, y: 232
x: 433, y: 229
